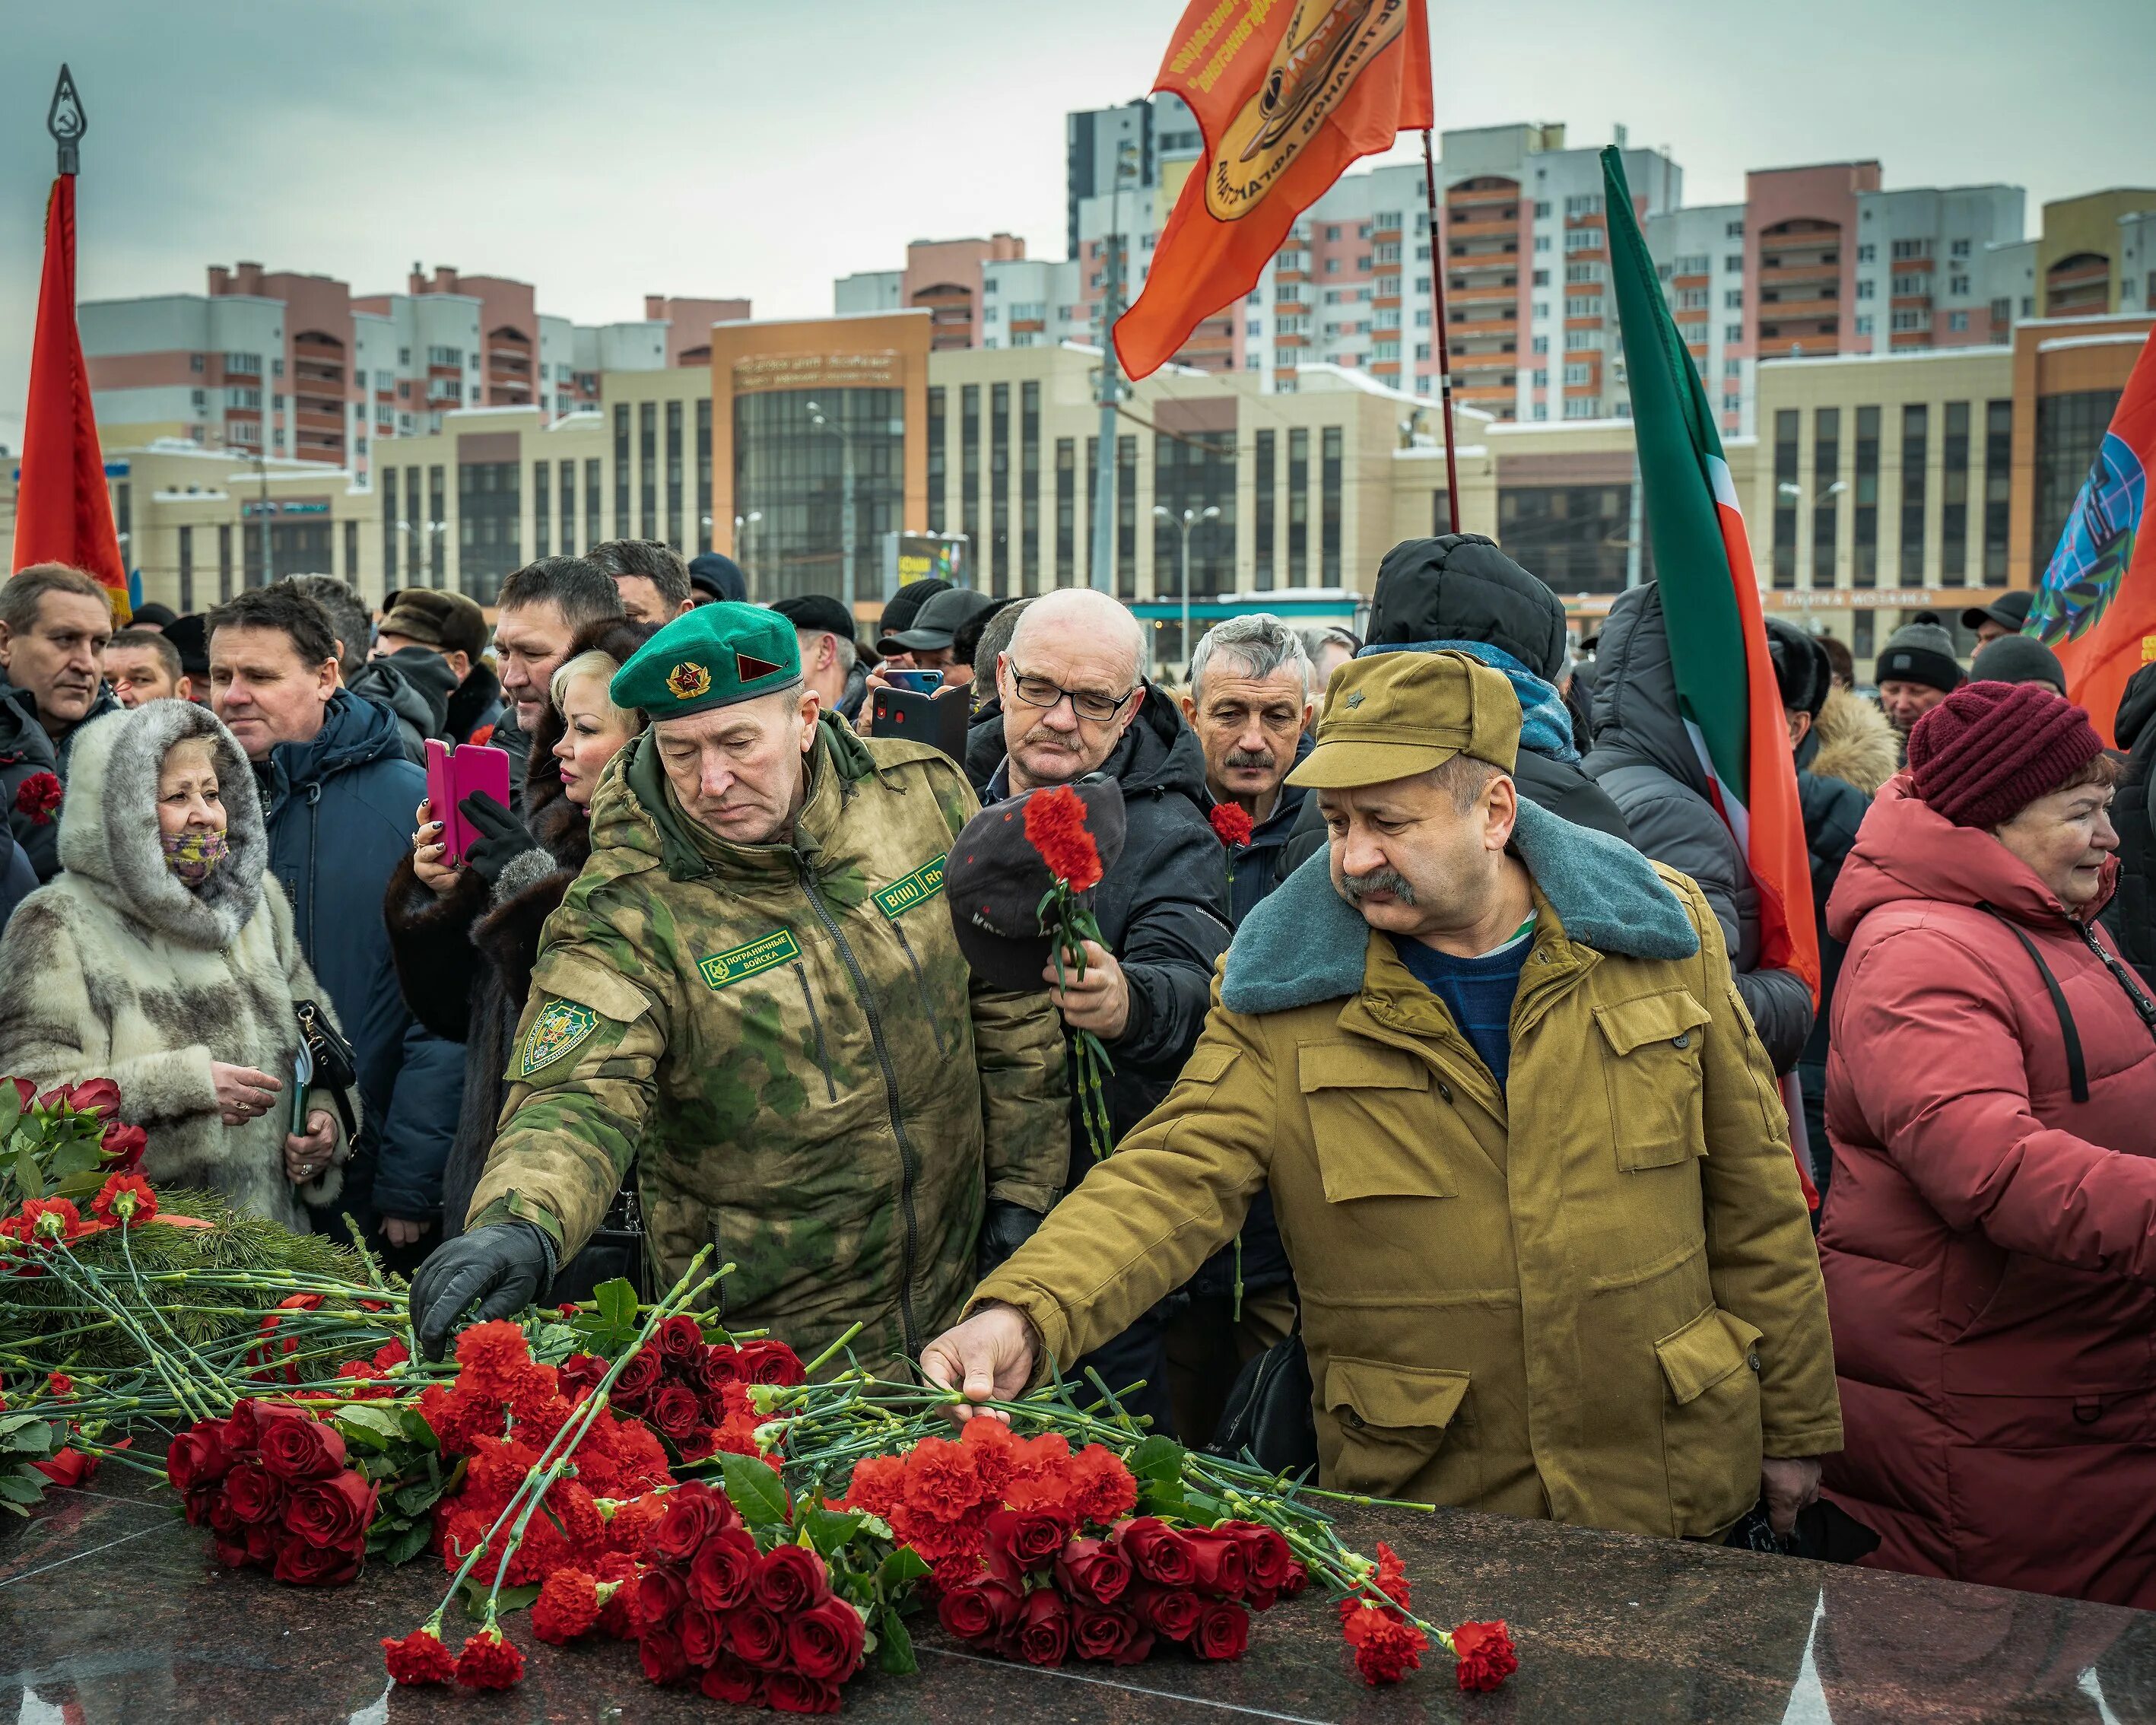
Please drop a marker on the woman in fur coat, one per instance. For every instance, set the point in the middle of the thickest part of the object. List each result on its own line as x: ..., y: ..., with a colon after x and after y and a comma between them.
x: 465, y: 940
x: 161, y: 956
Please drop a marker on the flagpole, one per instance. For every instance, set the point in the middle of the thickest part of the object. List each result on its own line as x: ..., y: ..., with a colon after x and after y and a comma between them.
x: 1437, y: 313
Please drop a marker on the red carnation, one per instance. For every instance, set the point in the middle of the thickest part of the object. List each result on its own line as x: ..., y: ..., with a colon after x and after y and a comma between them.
x: 729, y: 1680
x: 566, y: 1608
x: 123, y: 1146
x: 489, y: 1660
x: 419, y: 1658
x: 1055, y: 827
x: 1486, y: 1654
x: 678, y: 1338
x: 1158, y: 1552
x: 879, y: 1481
x: 1093, y: 1572
x: 942, y: 1482
x: 756, y: 1636
x: 790, y: 1579
x: 296, y: 1447
x: 826, y: 1641
x: 723, y: 1572
x: 331, y: 1513
x: 48, y: 1219
x: 1223, y: 1632
x: 1042, y: 1633
x: 127, y: 1199
x: 1101, y: 1488
x: 38, y: 797
x: 1231, y: 823
x: 1386, y: 1647
x: 58, y: 1385
x: 662, y: 1657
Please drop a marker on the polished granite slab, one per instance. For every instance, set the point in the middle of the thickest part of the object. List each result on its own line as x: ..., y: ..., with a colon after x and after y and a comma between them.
x: 112, y: 1613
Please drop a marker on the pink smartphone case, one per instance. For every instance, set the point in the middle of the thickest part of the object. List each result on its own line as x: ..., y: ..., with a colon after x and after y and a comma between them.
x: 452, y: 774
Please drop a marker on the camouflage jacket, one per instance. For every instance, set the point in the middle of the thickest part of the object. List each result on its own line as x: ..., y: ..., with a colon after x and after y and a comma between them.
x: 787, y: 1043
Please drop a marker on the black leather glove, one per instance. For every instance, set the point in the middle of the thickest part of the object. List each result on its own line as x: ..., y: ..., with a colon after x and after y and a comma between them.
x: 503, y: 836
x: 1005, y: 1228
x: 504, y: 1266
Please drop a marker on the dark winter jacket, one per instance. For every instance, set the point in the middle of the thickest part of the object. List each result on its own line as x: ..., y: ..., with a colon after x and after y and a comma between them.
x: 1647, y: 764
x: 415, y: 683
x: 25, y: 750
x: 464, y: 961
x: 984, y: 744
x: 1263, y: 864
x: 2130, y: 917
x: 475, y: 705
x: 1163, y: 910
x: 339, y: 810
x: 514, y: 743
x: 1461, y: 590
x: 18, y: 879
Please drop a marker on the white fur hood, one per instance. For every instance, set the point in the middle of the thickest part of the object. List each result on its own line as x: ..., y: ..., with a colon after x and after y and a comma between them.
x: 108, y: 824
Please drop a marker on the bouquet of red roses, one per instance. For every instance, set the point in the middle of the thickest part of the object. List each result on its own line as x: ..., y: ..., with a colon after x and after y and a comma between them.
x: 694, y: 1394
x: 270, y: 1482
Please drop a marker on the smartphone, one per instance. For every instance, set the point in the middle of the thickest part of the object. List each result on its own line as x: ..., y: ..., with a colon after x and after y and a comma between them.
x: 916, y: 682
x: 938, y: 719
x: 303, y: 1073
x: 452, y: 774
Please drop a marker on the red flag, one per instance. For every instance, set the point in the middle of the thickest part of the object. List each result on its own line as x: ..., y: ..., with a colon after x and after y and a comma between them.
x: 1287, y: 98
x: 2095, y: 606
x: 63, y: 512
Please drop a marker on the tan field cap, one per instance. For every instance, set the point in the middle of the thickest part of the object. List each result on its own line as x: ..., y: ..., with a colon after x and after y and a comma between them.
x: 1394, y: 714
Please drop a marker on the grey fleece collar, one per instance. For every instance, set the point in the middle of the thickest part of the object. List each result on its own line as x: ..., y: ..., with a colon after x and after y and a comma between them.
x: 1305, y: 943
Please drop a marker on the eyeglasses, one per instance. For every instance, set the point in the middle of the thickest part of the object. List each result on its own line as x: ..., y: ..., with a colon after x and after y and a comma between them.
x: 1092, y: 709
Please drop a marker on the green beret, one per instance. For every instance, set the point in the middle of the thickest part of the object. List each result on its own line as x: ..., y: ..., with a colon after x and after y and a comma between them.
x: 712, y: 656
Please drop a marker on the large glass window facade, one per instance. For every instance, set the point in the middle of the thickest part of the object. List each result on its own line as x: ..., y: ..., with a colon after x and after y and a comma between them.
x: 1298, y: 506
x: 1265, y: 456
x: 386, y: 479
x: 2070, y: 430
x: 224, y: 561
x: 1195, y: 473
x: 621, y: 526
x: 1573, y: 536
x: 937, y: 514
x: 969, y: 473
x: 1916, y: 456
x: 296, y: 547
x: 675, y: 476
x: 542, y: 511
x: 1953, y: 498
x: 1788, y: 423
x: 1826, y: 492
x: 1865, y: 549
x: 488, y: 508
x: 435, y: 531
x: 703, y: 474
x: 1028, y: 488
x: 795, y: 471
x: 999, y: 490
x: 1126, y: 520
x: 1066, y: 511
x: 647, y: 469
x: 1998, y: 487
x: 569, y: 501
x: 187, y: 568
x: 594, y: 471
x: 1329, y: 518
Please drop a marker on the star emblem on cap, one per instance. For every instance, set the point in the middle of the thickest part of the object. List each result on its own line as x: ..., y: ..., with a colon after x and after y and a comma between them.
x: 688, y: 680
x: 1354, y: 700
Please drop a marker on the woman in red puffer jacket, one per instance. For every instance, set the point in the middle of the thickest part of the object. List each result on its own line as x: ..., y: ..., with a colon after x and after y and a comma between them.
x: 1989, y: 1246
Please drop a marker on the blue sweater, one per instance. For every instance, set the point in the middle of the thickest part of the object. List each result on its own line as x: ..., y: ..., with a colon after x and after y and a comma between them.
x: 1477, y: 991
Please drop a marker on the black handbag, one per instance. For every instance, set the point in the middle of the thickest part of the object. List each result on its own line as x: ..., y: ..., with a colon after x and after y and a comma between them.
x: 335, y: 1070
x: 1268, y: 1417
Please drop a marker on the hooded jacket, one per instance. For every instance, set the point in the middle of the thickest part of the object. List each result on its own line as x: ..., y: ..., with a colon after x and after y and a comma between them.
x: 1990, y: 1249
x: 1162, y: 909
x: 115, y: 970
x: 787, y: 1042
x: 2130, y: 917
x: 25, y: 750
x: 1649, y: 767
x: 416, y: 684
x: 338, y: 808
x: 1590, y: 1294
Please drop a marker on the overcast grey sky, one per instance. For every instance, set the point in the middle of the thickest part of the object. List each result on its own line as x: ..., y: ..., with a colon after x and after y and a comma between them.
x: 604, y: 151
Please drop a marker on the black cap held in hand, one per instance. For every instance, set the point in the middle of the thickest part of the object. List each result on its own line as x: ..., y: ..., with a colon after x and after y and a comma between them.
x: 995, y: 880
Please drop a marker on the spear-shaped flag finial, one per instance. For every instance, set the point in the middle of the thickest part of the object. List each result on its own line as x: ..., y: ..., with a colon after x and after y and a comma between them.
x: 67, y: 122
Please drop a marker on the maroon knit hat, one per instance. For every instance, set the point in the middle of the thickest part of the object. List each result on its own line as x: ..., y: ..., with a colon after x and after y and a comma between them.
x: 1988, y: 750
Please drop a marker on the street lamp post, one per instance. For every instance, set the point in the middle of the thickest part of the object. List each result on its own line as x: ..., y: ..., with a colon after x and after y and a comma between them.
x: 743, y: 523
x: 846, y: 495
x: 1185, y: 522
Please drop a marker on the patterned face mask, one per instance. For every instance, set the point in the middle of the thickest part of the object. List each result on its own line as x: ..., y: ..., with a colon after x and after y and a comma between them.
x: 193, y: 855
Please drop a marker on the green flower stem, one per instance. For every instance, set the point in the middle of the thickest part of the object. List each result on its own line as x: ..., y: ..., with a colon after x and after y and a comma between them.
x: 136, y: 1333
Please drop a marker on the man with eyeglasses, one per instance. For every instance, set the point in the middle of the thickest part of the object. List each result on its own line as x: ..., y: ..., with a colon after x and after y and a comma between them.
x: 1075, y: 702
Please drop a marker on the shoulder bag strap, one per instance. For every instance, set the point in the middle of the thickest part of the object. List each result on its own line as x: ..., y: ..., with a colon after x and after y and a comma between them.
x: 2077, y: 1067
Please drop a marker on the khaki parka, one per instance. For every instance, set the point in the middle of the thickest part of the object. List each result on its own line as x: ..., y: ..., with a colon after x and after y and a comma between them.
x: 1591, y: 1298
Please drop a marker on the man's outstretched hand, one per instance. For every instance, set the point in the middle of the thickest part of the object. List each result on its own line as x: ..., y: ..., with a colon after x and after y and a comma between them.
x: 505, y: 1267
x: 988, y: 1357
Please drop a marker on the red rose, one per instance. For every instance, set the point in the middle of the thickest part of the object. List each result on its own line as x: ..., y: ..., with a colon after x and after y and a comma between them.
x: 1294, y: 1581
x: 305, y: 1565
x: 721, y: 1365
x: 731, y: 1680
x: 768, y: 1361
x: 796, y: 1692
x: 756, y: 1637
x: 1171, y: 1611
x: 581, y: 1372
x: 1042, y: 1634
x: 263, y: 1543
x: 1093, y: 1571
x: 701, y: 1635
x: 1217, y: 1558
x: 1266, y: 1558
x: 94, y: 1096
x: 1030, y: 1538
x: 331, y: 1513
x: 295, y: 1447
x: 693, y: 1512
x: 826, y: 1641
x: 980, y: 1612
x: 1097, y: 1633
x: 39, y: 797
x: 253, y: 1493
x: 723, y: 1571
x: 675, y: 1412
x: 790, y: 1579
x: 231, y: 1552
x: 1158, y: 1552
x: 1486, y: 1653
x: 659, y: 1596
x: 638, y: 1378
x: 241, y: 1428
x: 678, y: 1338
x: 200, y: 1502
x: 124, y: 1145
x: 663, y: 1660
x: 197, y: 1457
x: 1223, y: 1632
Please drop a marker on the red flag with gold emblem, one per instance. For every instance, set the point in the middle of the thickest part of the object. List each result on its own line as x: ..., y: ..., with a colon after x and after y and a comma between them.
x: 1287, y: 96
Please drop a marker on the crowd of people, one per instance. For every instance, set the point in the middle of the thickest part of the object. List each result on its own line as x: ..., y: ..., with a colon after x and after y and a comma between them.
x: 1463, y: 1136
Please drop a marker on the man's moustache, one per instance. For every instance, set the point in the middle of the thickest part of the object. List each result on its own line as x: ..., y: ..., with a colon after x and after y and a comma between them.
x: 1255, y: 761
x: 1358, y: 887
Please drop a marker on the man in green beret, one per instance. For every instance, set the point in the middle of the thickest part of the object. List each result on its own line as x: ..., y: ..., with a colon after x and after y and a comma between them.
x: 753, y: 995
